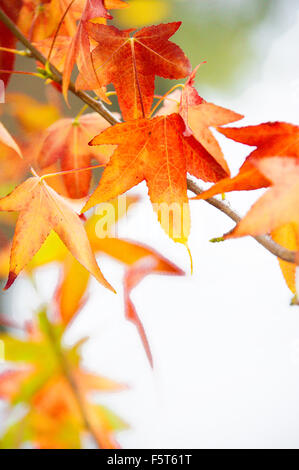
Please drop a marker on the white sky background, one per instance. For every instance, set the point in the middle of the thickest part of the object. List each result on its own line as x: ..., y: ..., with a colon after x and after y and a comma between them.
x: 225, y: 341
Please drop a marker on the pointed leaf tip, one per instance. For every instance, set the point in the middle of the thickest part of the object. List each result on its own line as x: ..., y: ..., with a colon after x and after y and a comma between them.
x: 11, y: 279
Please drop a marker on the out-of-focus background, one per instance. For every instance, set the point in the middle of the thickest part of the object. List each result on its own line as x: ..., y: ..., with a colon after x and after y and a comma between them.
x: 225, y: 340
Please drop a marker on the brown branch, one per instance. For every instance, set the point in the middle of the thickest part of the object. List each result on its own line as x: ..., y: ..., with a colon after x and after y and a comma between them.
x: 56, y: 75
x: 264, y: 240
x: 97, y: 106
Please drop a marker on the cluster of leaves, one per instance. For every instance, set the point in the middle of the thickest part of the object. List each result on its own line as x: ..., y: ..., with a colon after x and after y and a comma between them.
x: 158, y: 146
x: 57, y: 392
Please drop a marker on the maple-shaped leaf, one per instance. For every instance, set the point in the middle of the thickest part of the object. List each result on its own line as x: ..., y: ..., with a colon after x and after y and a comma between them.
x: 139, y: 260
x: 156, y: 151
x: 71, y: 291
x: 42, y: 210
x: 132, y: 62
x: 199, y: 116
x: 279, y: 205
x: 67, y: 140
x: 271, y: 139
x: 38, y: 19
x: 79, y: 49
x: 56, y: 400
x: 51, y: 394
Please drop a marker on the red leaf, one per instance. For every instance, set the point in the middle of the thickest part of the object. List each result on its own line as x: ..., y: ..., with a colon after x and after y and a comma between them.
x: 131, y: 64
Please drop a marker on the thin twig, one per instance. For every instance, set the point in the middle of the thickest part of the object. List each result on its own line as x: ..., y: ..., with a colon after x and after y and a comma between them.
x: 97, y: 106
x: 56, y: 75
x: 264, y: 240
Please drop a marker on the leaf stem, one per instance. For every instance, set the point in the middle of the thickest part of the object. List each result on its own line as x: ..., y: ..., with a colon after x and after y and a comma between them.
x: 179, y: 85
x: 85, y: 107
x: 17, y: 72
x: 67, y: 172
x: 15, y: 51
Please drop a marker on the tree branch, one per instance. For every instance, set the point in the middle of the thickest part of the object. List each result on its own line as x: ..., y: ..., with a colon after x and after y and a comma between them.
x: 97, y: 106
x: 264, y: 240
x: 56, y: 75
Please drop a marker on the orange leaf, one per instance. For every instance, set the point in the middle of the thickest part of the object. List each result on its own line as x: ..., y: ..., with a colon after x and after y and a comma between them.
x: 271, y: 139
x: 279, y: 205
x: 156, y: 151
x: 199, y: 115
x: 38, y: 19
x: 60, y: 50
x: 69, y: 296
x: 79, y: 49
x: 67, y: 140
x: 42, y: 210
x: 56, y: 400
x: 131, y: 64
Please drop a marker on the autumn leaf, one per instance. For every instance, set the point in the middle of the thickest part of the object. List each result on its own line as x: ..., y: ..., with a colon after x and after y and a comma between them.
x: 51, y: 389
x: 59, y: 51
x: 139, y: 260
x: 276, y: 212
x: 271, y: 139
x: 79, y: 49
x: 42, y: 210
x: 67, y: 140
x: 71, y: 291
x: 279, y: 205
x: 132, y: 62
x: 199, y: 116
x: 74, y: 12
x: 57, y: 401
x: 156, y: 151
x: 38, y: 19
